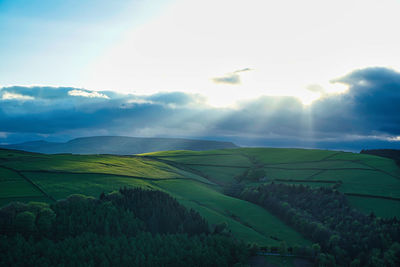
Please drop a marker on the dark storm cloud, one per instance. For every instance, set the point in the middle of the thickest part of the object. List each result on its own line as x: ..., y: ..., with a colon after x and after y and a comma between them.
x: 369, y: 109
x: 50, y: 110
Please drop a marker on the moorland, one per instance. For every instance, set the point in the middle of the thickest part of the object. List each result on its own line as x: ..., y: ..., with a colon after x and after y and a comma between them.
x: 329, y: 207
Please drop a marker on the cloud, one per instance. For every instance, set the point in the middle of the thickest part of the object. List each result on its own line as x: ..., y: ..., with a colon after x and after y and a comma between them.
x: 13, y: 96
x: 85, y: 93
x: 369, y: 107
x: 368, y: 112
x: 177, y: 98
x: 243, y: 70
x: 316, y: 88
x: 231, y: 78
x: 56, y: 111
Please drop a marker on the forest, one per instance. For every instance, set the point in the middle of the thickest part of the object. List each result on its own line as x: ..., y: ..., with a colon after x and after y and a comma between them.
x: 130, y: 227
x: 342, y: 236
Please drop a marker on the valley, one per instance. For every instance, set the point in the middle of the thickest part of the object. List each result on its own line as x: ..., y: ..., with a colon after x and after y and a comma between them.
x: 197, y: 179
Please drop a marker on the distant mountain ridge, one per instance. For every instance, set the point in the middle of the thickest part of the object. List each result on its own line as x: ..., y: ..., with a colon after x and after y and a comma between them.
x: 119, y: 145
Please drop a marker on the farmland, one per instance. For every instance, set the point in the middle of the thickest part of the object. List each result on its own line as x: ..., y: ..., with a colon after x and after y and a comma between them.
x: 197, y: 180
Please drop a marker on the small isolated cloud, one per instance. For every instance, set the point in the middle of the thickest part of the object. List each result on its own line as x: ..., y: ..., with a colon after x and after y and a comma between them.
x: 92, y: 94
x: 228, y: 79
x: 13, y: 96
x: 243, y: 70
x: 231, y: 78
x: 315, y: 88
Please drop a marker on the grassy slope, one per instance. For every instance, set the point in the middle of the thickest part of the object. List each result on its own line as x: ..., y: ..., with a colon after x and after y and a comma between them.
x: 245, y: 219
x: 194, y: 179
x: 62, y: 175
x: 359, y: 173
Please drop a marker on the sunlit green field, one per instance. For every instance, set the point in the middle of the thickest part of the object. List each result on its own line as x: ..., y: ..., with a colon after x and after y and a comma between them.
x: 62, y: 175
x: 246, y: 219
x: 197, y: 180
x: 357, y: 173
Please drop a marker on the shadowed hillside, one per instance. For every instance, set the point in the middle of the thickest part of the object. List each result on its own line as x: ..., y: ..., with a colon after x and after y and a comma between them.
x: 119, y: 145
x: 128, y: 227
x: 386, y: 153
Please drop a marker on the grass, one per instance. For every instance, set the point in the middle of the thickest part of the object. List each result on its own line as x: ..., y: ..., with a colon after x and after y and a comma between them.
x: 359, y: 173
x: 363, y: 182
x: 62, y: 185
x: 13, y: 185
x: 224, y: 158
x: 220, y: 175
x: 285, y: 155
x: 381, y: 207
x: 18, y: 188
x: 196, y: 180
x: 62, y: 175
x: 102, y: 164
x: 246, y: 220
x: 8, y: 175
x: 328, y: 164
x: 181, y: 153
x: 372, y: 161
x: 289, y: 174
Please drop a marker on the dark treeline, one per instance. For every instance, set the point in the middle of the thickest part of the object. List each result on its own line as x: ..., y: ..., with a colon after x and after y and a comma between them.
x: 342, y: 235
x: 132, y: 227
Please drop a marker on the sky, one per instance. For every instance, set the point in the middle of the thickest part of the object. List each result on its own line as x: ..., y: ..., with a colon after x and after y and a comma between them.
x: 281, y: 73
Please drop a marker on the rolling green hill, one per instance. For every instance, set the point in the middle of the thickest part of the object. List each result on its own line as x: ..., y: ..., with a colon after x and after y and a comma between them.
x: 364, y: 178
x: 198, y: 179
x: 118, y: 145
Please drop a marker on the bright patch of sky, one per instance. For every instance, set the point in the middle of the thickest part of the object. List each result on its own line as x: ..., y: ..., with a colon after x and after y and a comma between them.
x: 288, y: 47
x: 53, y: 42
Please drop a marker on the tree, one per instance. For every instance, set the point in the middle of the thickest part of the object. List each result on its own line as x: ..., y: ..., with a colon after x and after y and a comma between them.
x: 355, y: 263
x: 25, y: 222
x: 326, y: 260
x: 316, y: 248
x: 219, y: 228
x: 45, y: 219
x: 282, y: 248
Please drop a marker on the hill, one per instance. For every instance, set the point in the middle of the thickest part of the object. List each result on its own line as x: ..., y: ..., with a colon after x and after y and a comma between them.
x: 386, y: 153
x: 40, y: 177
x: 199, y: 180
x: 371, y: 183
x: 118, y: 145
x: 129, y: 227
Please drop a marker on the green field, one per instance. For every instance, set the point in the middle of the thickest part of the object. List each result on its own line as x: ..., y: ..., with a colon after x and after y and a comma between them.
x: 197, y: 179
x: 245, y: 219
x: 358, y: 173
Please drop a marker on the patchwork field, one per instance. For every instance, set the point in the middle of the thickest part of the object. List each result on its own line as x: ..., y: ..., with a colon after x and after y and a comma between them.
x: 375, y: 180
x: 197, y: 180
